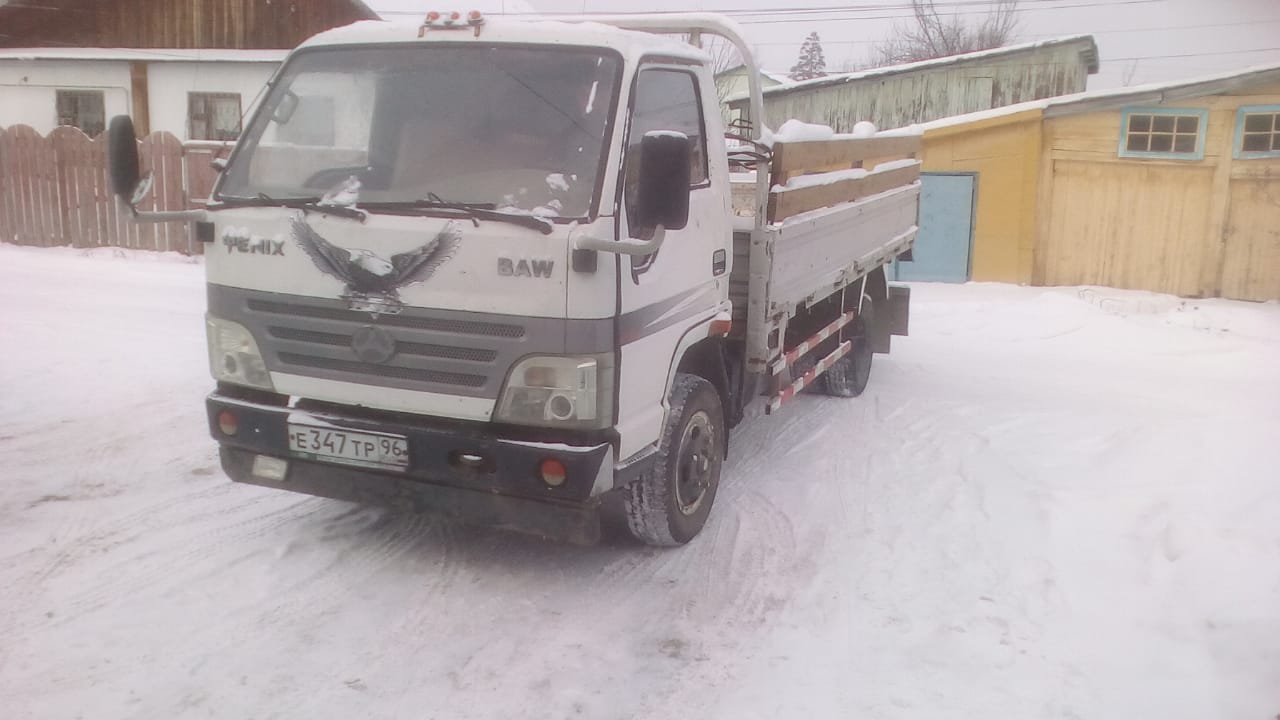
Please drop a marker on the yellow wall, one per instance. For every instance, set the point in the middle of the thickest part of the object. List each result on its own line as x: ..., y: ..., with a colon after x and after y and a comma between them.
x: 1005, y: 153
x: 1189, y: 227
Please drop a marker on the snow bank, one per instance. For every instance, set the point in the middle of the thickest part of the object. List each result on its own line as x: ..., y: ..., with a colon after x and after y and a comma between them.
x: 1061, y: 503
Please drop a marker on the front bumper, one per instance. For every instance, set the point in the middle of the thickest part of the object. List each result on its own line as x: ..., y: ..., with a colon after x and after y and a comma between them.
x: 504, y: 491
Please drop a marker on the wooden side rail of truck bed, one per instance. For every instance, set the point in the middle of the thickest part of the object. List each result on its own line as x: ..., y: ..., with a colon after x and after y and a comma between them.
x: 838, y: 210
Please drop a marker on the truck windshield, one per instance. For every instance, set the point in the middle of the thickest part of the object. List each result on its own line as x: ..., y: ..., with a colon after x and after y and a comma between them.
x: 513, y: 129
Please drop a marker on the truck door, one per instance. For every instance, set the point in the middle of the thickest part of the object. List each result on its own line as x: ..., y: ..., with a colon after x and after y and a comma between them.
x: 667, y: 294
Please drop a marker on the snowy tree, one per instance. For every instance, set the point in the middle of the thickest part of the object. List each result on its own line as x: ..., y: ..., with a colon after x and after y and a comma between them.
x: 812, y: 64
x: 934, y: 34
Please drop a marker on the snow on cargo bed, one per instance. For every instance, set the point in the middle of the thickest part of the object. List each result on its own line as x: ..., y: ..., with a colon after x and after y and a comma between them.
x: 812, y: 167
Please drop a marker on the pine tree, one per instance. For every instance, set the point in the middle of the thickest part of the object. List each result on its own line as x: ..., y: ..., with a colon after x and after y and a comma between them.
x: 811, y: 64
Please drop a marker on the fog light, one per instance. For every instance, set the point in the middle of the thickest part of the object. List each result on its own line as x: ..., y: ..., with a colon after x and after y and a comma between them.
x: 228, y: 423
x: 553, y: 472
x: 560, y: 407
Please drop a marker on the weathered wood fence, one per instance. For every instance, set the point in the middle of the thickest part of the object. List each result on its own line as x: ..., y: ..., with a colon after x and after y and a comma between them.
x: 54, y: 190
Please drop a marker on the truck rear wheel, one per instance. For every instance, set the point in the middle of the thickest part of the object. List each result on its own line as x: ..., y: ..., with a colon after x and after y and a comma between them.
x: 669, y: 505
x: 849, y: 375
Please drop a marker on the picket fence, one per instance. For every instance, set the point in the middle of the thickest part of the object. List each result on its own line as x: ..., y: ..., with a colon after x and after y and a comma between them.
x: 54, y: 190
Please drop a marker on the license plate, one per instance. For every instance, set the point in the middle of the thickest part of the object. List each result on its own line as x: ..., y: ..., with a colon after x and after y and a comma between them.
x: 376, y: 450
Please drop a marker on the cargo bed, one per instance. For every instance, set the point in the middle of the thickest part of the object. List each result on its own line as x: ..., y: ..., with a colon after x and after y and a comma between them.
x: 829, y: 222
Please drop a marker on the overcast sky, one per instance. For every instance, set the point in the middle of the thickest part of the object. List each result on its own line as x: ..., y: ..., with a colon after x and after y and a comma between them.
x: 1142, y: 40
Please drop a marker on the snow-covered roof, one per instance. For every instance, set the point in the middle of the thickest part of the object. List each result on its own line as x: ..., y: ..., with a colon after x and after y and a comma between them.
x: 500, y: 29
x: 779, y: 77
x: 1089, y: 51
x: 132, y: 54
x: 1097, y: 100
x: 1161, y: 92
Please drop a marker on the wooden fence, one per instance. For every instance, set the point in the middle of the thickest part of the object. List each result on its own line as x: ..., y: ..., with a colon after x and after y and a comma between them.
x: 54, y: 190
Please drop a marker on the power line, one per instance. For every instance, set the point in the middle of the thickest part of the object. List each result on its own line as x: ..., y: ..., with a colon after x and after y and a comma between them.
x: 1187, y: 55
x: 1046, y: 35
x: 850, y: 9
x: 1105, y: 3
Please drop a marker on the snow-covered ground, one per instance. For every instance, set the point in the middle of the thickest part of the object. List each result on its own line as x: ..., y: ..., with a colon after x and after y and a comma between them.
x: 1051, y: 503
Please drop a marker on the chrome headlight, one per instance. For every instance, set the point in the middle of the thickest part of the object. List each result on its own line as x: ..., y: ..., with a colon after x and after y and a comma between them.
x: 559, y: 391
x: 234, y: 356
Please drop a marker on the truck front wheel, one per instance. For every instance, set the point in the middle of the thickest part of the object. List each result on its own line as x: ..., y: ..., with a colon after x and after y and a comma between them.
x: 669, y: 505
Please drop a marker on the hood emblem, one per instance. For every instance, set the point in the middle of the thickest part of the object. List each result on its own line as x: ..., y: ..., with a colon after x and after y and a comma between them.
x: 373, y: 344
x: 372, y: 281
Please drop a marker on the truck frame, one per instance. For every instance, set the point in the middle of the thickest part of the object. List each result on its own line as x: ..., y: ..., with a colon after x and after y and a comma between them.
x: 520, y: 366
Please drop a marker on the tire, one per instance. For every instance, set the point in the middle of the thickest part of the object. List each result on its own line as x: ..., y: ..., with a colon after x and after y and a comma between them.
x: 669, y: 506
x: 848, y: 377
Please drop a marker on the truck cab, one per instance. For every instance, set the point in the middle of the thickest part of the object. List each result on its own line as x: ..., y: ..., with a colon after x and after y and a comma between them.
x: 481, y: 268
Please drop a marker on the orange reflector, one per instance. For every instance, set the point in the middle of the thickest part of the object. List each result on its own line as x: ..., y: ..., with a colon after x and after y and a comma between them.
x: 474, y: 16
x: 228, y: 423
x: 433, y: 16
x: 721, y: 327
x: 455, y: 15
x: 553, y: 472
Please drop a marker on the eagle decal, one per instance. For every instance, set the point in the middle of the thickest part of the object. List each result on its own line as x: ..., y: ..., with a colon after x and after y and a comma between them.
x: 372, y: 281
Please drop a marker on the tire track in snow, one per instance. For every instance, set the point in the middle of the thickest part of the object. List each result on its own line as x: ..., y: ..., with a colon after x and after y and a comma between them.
x: 355, y: 541
x: 129, y: 575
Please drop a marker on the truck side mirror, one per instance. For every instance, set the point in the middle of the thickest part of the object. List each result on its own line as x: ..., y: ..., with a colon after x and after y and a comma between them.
x: 122, y: 161
x: 662, y: 193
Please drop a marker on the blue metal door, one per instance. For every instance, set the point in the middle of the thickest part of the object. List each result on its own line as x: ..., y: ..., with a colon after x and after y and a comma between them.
x: 946, y: 231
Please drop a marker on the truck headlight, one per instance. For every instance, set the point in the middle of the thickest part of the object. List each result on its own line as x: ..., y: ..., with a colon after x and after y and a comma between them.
x: 234, y: 356
x: 559, y: 391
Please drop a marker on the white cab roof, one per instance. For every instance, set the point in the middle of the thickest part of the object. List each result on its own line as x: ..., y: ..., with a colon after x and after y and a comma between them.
x: 631, y: 44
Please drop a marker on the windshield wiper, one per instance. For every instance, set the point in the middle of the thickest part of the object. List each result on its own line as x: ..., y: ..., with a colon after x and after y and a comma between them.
x: 305, y: 204
x: 475, y: 211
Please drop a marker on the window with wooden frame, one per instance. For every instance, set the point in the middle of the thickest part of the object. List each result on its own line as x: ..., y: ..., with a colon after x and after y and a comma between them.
x: 85, y: 109
x: 1258, y: 132
x: 1163, y: 133
x: 213, y: 116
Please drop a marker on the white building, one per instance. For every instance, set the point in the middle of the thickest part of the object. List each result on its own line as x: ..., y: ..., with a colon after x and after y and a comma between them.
x: 194, y: 94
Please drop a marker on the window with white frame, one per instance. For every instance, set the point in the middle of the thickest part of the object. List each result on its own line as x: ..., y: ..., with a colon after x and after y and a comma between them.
x: 1258, y: 131
x: 84, y: 109
x: 1163, y: 133
x: 213, y: 116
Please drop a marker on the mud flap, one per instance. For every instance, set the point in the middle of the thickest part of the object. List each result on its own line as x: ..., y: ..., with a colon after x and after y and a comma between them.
x: 899, y: 309
x: 890, y: 318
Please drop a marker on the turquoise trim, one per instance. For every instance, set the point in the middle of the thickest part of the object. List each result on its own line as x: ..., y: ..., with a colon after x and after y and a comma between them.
x: 1238, y: 151
x: 1124, y: 133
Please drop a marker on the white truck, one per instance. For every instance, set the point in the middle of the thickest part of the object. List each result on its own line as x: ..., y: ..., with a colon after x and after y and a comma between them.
x: 495, y: 269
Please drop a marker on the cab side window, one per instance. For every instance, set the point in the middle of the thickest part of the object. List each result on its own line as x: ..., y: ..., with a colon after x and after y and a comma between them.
x: 665, y: 100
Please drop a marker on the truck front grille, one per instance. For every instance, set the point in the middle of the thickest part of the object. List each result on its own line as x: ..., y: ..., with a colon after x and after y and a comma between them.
x: 450, y: 352
x: 440, y: 351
